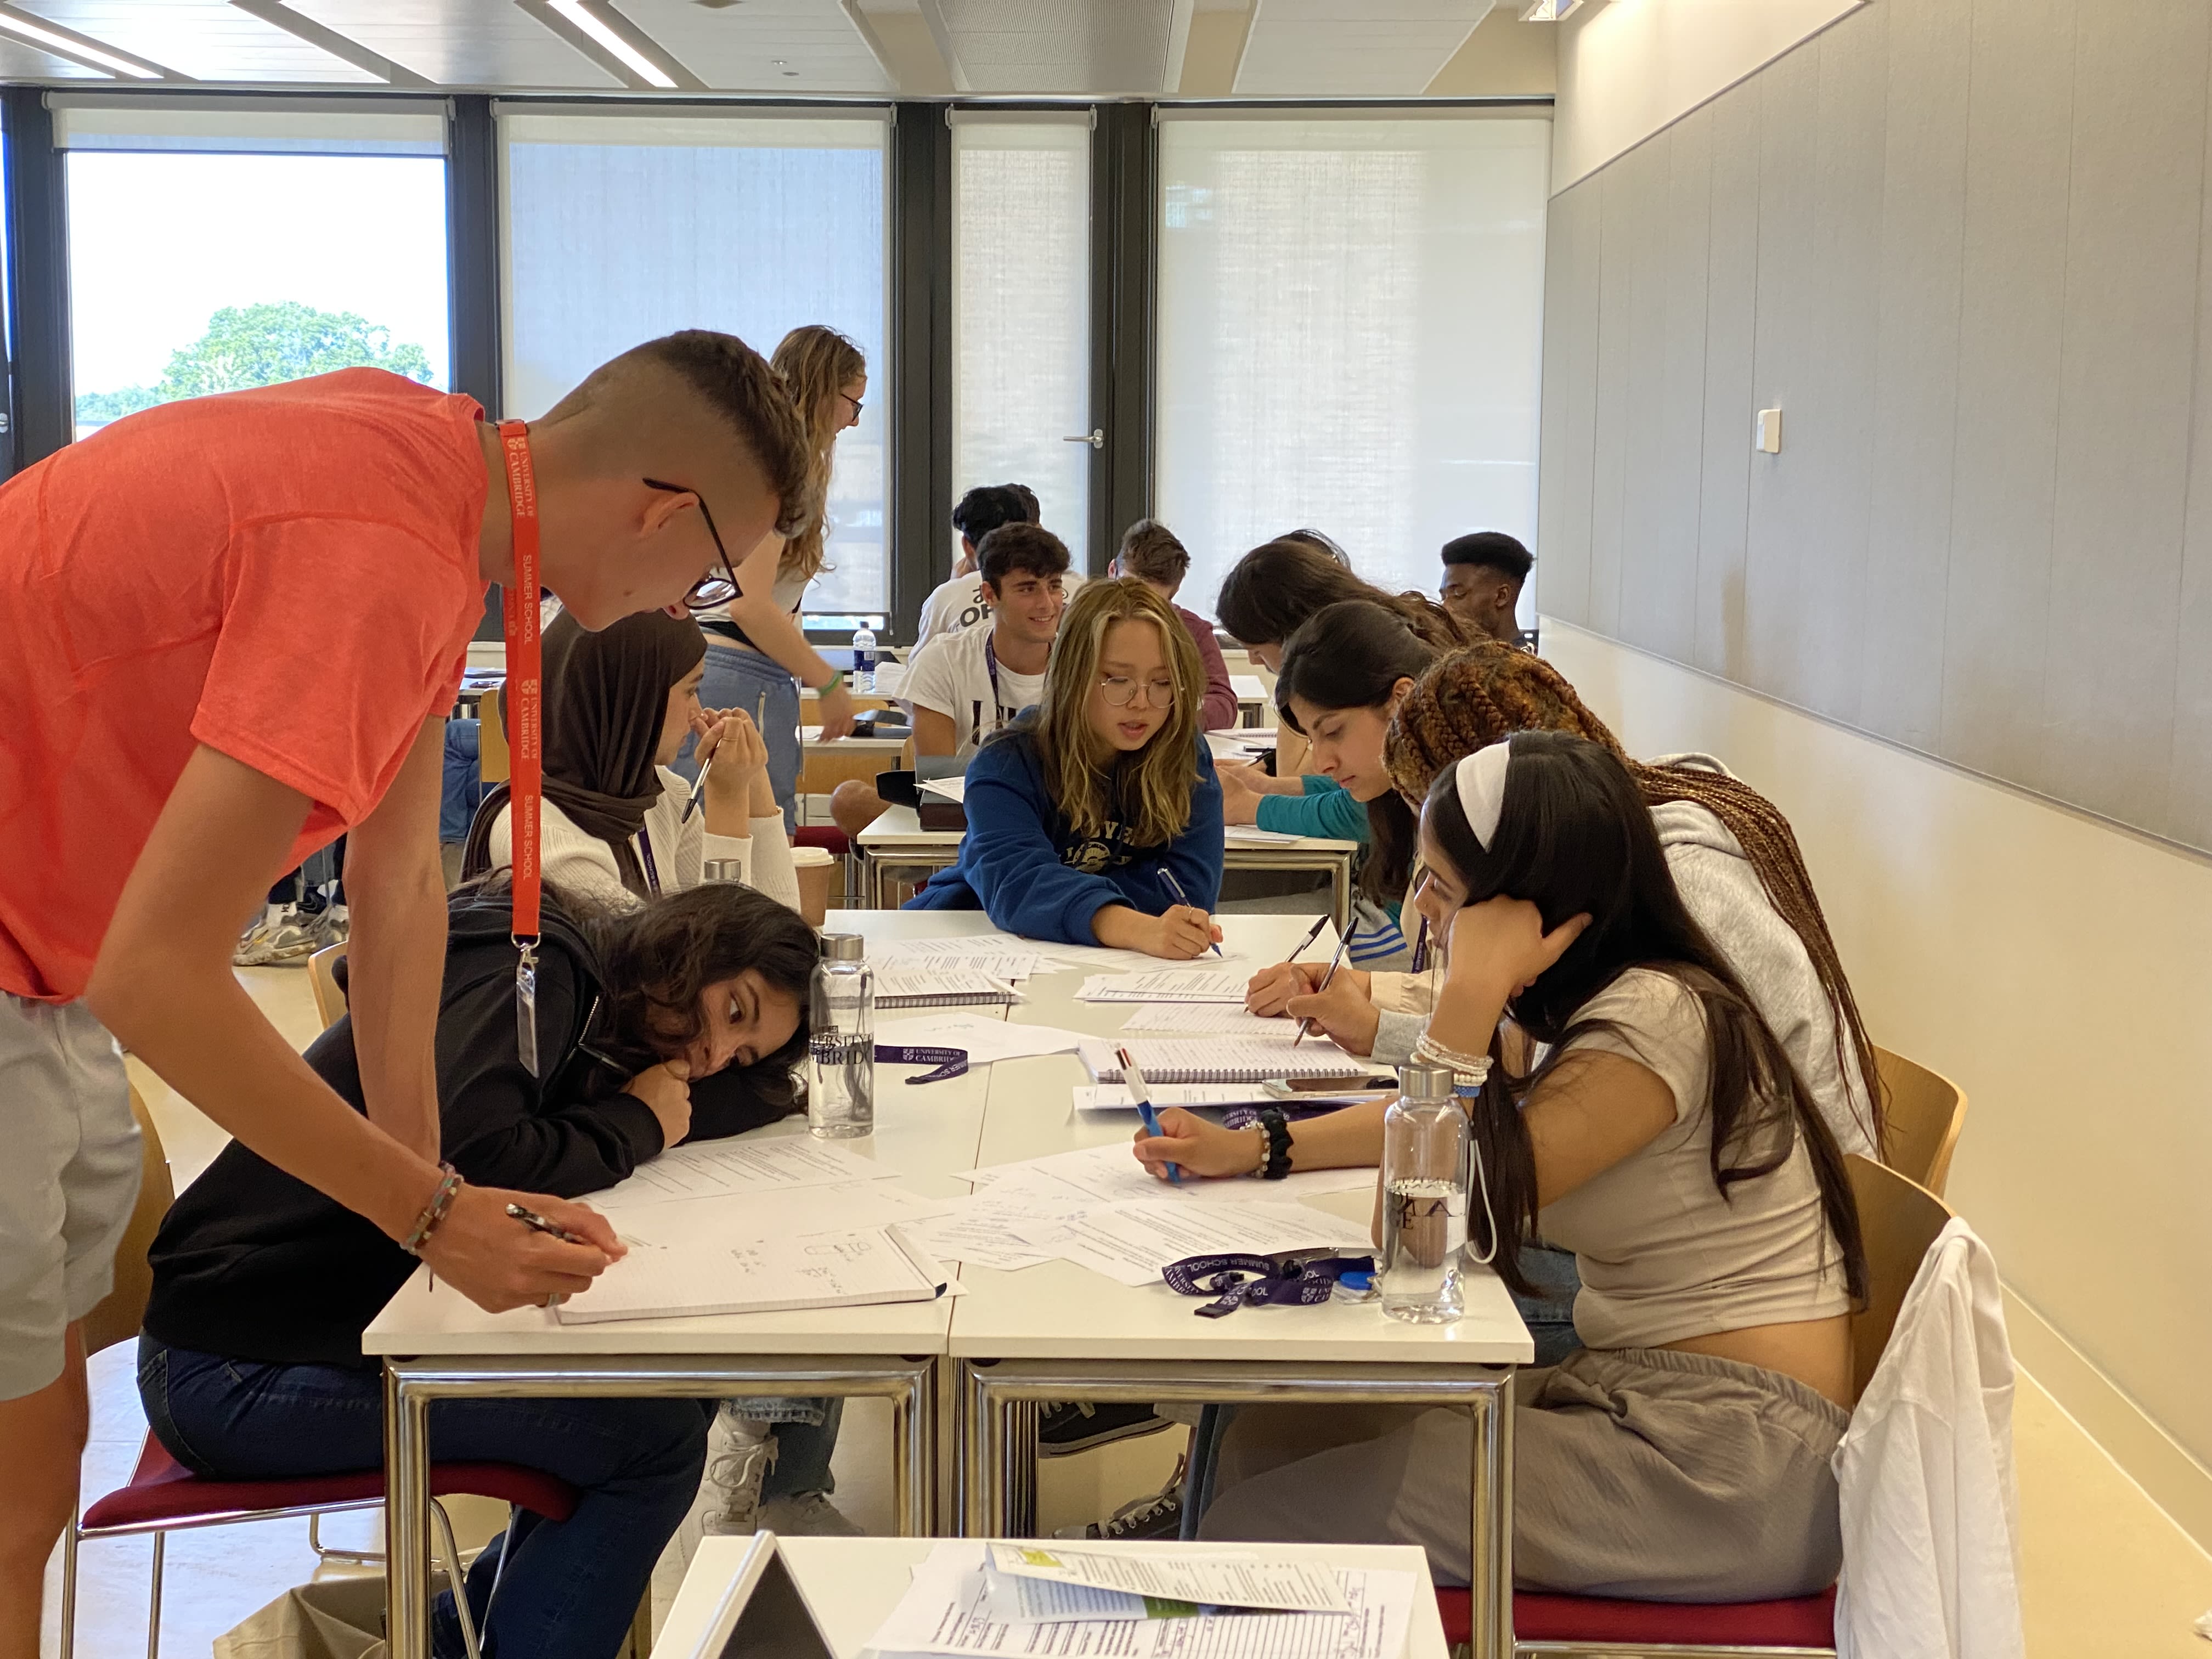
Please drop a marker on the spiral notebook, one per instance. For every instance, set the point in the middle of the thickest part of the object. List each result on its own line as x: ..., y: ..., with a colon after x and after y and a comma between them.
x: 1219, y: 1060
x: 942, y: 988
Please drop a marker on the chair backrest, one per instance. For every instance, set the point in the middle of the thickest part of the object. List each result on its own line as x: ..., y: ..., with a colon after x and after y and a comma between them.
x: 1898, y: 1219
x: 323, y: 977
x: 1924, y: 1111
x: 123, y: 1309
x: 491, y: 738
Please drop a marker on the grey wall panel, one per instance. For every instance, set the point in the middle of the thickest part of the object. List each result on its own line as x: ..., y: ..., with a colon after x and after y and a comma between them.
x: 1731, y: 307
x: 1917, y: 369
x: 1617, y: 263
x: 1784, y: 505
x: 2125, y: 399
x: 1996, y: 616
x: 1965, y: 246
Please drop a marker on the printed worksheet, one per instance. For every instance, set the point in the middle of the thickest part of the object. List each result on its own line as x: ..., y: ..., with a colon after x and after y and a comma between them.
x: 1211, y: 1019
x: 1117, y: 1098
x: 1112, y: 1175
x: 777, y: 1212
x: 1167, y: 985
x: 719, y: 1168
x: 1130, y: 1243
x: 1233, y: 1579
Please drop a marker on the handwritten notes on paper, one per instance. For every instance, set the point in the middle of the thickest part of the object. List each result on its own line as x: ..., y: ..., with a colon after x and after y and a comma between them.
x: 722, y: 1168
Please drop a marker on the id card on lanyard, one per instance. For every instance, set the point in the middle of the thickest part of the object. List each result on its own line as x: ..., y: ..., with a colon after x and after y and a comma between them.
x: 525, y: 687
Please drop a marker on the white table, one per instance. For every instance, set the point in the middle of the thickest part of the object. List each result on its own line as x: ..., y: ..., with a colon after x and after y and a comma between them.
x: 896, y: 842
x: 850, y: 1585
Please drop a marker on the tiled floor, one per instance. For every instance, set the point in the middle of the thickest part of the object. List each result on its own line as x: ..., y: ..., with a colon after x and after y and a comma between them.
x: 2108, y: 1576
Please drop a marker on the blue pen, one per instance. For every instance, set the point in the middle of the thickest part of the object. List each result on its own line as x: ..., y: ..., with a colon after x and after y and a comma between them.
x: 1143, y: 1092
x: 1181, y: 897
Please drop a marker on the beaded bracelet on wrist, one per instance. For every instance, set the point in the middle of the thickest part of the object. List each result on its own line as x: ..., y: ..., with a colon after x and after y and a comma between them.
x: 1468, y: 1071
x: 441, y: 1202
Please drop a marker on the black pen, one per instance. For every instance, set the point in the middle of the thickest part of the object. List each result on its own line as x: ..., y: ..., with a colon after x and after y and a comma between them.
x: 538, y: 1224
x: 1304, y: 1025
x: 1183, y: 899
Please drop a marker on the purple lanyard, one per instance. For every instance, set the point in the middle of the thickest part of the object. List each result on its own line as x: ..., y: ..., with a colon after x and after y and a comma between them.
x: 645, y: 856
x: 949, y: 1062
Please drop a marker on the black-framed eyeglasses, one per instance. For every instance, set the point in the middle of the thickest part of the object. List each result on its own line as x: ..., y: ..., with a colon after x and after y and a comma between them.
x: 855, y: 402
x: 709, y: 591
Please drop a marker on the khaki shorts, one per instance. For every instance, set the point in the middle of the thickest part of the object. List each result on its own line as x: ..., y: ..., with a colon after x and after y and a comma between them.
x: 68, y: 1180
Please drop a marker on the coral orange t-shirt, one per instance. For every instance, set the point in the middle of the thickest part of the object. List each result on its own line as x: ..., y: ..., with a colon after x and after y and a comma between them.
x: 287, y: 574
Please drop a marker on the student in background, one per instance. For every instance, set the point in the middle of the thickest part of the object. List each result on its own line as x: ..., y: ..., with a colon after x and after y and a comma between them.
x: 1320, y: 543
x: 151, y: 792
x: 1094, y: 818
x: 1683, y: 1454
x: 963, y: 686
x: 1483, y: 577
x: 679, y: 1019
x: 960, y: 602
x: 619, y: 703
x: 1151, y: 553
x: 758, y: 645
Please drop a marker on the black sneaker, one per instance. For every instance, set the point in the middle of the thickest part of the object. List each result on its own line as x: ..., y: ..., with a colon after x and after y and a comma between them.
x: 1156, y: 1515
x: 1072, y: 1426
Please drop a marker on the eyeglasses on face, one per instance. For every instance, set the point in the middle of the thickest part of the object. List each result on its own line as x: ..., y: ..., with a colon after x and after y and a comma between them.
x: 1120, y: 691
x: 709, y: 591
x: 855, y: 402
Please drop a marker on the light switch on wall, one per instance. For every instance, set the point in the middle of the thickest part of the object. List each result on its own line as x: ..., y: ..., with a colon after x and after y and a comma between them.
x: 1767, y: 432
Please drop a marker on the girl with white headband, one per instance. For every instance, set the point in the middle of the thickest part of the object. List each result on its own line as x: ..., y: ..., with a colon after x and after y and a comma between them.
x: 1666, y: 1138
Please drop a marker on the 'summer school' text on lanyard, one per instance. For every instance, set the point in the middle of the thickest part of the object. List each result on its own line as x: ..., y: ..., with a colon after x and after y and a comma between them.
x: 525, y: 721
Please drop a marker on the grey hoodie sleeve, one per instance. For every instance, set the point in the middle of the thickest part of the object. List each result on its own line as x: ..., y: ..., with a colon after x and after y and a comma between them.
x: 1395, y: 1034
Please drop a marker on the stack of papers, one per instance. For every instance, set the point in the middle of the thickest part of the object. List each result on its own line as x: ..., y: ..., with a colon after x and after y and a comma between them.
x: 722, y: 1168
x: 979, y: 1598
x: 984, y: 1039
x: 1167, y: 985
x: 1212, y: 1018
x: 1250, y: 835
x: 916, y: 957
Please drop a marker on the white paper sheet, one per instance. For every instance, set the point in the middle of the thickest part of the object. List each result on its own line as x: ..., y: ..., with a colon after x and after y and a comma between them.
x: 719, y: 1169
x: 1249, y: 835
x: 1007, y: 1233
x: 1249, y: 688
x: 1011, y: 966
x: 953, y: 788
x: 1232, y: 1579
x: 780, y: 1212
x: 903, y: 980
x: 985, y: 1037
x: 853, y: 1269
x: 950, y: 944
x: 1112, y: 1175
x: 1168, y: 985
x: 1211, y: 1019
x: 1222, y: 1058
x: 946, y: 1610
x: 1114, y: 1097
x: 1130, y: 1243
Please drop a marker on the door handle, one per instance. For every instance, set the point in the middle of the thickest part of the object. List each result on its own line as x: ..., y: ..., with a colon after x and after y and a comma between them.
x: 1096, y: 438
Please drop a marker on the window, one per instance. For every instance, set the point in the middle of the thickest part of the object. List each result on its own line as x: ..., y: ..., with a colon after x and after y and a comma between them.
x: 1349, y: 315
x: 622, y: 228
x: 216, y: 246
x: 1021, y: 313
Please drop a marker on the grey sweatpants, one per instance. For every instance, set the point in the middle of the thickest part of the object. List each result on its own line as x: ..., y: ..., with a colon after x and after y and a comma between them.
x: 1637, y: 1472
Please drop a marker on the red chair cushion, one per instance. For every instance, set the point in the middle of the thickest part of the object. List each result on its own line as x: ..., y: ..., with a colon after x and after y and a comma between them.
x: 1802, y: 1622
x: 162, y: 1489
x: 829, y: 837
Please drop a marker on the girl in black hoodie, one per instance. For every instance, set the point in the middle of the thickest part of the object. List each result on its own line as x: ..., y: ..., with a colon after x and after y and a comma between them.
x: 678, y: 1020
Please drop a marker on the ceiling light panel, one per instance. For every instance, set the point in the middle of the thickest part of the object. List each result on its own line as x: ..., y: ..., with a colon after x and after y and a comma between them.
x: 764, y: 46
x: 1103, y: 47
x: 1352, y: 48
x: 464, y: 43
x: 207, y: 40
x: 22, y: 62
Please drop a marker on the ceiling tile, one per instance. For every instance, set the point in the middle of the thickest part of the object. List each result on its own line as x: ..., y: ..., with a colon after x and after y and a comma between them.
x: 1352, y: 48
x: 735, y: 48
x: 491, y: 44
x: 1106, y: 48
x: 207, y: 40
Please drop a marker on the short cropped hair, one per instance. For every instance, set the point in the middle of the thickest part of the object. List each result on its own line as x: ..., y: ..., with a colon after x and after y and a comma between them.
x: 738, y: 384
x: 987, y: 507
x: 1493, y: 550
x: 1028, y: 547
x: 1150, y: 552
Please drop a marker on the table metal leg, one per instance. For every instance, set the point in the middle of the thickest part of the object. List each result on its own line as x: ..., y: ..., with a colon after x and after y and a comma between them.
x: 407, y: 1518
x: 914, y: 1498
x: 1490, y: 1483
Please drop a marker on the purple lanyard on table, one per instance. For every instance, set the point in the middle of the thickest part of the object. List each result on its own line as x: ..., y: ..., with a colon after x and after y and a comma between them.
x: 1293, y: 1279
x: 949, y: 1062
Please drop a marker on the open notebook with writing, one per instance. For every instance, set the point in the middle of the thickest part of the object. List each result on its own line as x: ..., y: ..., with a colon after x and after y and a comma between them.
x: 1219, y: 1060
x: 865, y: 1265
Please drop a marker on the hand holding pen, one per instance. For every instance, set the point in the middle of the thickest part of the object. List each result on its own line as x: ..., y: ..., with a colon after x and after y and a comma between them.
x: 1140, y: 1092
x: 1272, y: 987
x: 1306, y: 1025
x: 1182, y: 901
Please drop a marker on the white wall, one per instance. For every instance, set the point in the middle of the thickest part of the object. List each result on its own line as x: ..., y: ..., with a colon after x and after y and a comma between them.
x: 1628, y: 68
x: 2059, y: 969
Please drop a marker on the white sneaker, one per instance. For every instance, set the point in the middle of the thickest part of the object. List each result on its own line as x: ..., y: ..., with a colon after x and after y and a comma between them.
x: 739, y: 1452
x: 807, y: 1514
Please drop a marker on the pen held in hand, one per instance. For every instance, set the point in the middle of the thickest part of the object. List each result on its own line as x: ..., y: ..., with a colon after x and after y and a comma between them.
x: 1140, y: 1092
x: 1167, y: 877
x: 1306, y: 1025
x: 538, y: 1224
x: 698, y: 790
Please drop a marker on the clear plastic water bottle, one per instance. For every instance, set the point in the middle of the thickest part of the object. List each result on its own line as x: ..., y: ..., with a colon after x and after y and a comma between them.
x: 1426, y: 1141
x: 864, y: 657
x: 841, y: 1082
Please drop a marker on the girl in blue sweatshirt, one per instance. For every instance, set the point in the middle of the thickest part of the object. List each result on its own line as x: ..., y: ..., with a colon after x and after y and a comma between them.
x: 1095, y: 818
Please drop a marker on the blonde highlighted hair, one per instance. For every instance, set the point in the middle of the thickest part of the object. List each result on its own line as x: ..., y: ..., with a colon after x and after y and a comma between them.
x: 816, y: 362
x: 1153, y: 800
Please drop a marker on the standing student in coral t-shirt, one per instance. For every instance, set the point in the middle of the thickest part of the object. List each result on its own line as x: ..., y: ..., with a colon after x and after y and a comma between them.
x: 230, y: 629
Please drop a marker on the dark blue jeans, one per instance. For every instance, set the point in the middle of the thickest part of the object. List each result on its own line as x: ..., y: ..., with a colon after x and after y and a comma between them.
x: 1550, y: 1314
x: 570, y: 1588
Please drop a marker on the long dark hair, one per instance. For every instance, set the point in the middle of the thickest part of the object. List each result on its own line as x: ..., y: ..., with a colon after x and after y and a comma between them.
x: 660, y: 956
x: 1574, y: 836
x: 1273, y: 590
x: 1351, y: 655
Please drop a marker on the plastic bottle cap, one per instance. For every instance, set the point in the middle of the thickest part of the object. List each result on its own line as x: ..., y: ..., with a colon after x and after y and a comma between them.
x: 850, y: 947
x: 1356, y: 1281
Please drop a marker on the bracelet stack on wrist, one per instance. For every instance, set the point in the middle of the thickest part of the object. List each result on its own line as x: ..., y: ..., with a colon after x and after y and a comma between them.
x: 441, y: 1202
x: 1470, y: 1072
x: 1274, y: 1146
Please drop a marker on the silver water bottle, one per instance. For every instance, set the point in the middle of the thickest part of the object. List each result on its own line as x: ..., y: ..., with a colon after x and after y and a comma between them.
x: 1425, y: 1143
x: 840, y: 1092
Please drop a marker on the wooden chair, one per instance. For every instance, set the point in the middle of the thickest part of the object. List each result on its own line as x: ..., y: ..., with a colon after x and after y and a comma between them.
x: 323, y: 978
x: 1924, y: 1112
x: 1899, y: 1220
x: 115, y: 1319
x: 492, y: 764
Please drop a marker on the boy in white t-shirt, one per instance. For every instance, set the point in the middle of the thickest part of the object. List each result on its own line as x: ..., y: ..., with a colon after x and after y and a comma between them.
x: 959, y: 603
x: 961, y: 687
